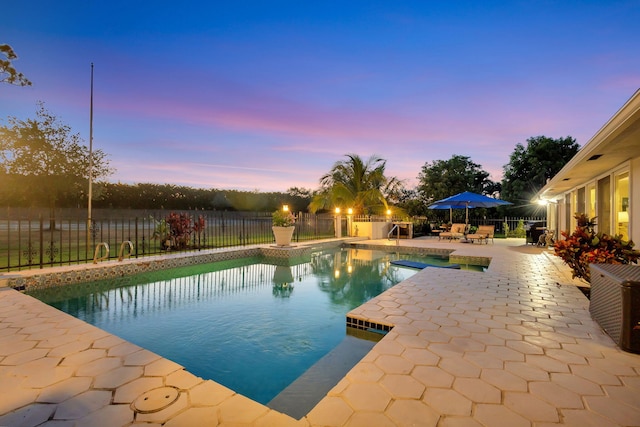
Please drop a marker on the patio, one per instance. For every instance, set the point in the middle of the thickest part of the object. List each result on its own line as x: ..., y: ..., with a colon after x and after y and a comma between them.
x: 514, y: 346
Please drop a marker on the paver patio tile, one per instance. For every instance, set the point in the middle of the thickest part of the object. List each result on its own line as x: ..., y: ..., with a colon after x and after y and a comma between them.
x: 205, y: 417
x: 209, y: 393
x: 365, y: 372
x: 240, y: 410
x: 390, y: 364
x: 530, y: 407
x: 31, y: 415
x: 503, y: 380
x: 161, y: 367
x: 24, y: 356
x: 546, y: 363
x: 182, y: 380
x: 141, y: 357
x: 64, y: 390
x: 586, y: 418
x: 67, y: 349
x: 499, y: 415
x: 98, y: 366
x: 459, y: 422
x: 276, y: 419
x: 623, y: 414
x: 595, y: 375
x: 17, y: 397
x: 458, y: 367
x: 108, y: 416
x: 123, y: 349
x: 447, y: 401
x: 368, y: 419
x: 331, y: 411
x: 622, y: 394
x: 83, y: 404
x: 366, y: 397
x: 420, y: 356
x: 83, y: 357
x: 127, y: 393
x: 556, y: 395
x: 432, y: 376
x: 483, y: 360
x: 167, y: 413
x: 523, y: 370
x: 477, y: 390
x: 117, y: 377
x: 402, y: 386
x: 15, y: 345
x: 412, y: 413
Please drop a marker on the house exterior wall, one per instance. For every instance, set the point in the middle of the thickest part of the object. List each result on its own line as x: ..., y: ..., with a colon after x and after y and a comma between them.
x: 562, y: 209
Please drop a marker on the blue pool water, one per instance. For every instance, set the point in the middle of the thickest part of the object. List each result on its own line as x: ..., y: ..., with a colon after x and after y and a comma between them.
x: 248, y: 324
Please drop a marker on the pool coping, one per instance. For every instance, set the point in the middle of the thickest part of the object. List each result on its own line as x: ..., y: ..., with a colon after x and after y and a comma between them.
x: 512, y: 346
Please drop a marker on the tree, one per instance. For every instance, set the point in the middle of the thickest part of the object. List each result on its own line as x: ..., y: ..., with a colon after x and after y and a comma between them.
x: 355, y: 183
x: 8, y: 73
x: 530, y: 167
x: 444, y: 178
x: 47, y: 158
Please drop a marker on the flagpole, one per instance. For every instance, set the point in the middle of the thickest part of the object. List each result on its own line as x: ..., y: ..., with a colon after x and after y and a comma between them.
x: 89, y: 221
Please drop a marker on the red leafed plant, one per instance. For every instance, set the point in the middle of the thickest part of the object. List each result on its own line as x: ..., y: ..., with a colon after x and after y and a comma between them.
x: 584, y: 246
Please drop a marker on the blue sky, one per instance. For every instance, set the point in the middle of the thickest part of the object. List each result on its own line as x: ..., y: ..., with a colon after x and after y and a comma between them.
x: 267, y: 95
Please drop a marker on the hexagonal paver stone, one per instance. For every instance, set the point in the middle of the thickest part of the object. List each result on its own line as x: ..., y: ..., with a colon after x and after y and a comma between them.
x: 209, y: 393
x: 499, y: 415
x: 30, y: 415
x: 117, y: 377
x: 108, y: 416
x: 64, y: 390
x: 432, y: 376
x: 331, y: 411
x: 195, y: 417
x: 369, y: 419
x: 531, y: 408
x: 240, y: 410
x: 447, y: 401
x: 82, y: 405
x: 403, y: 386
x: 412, y: 413
x: 394, y: 364
x: 367, y: 397
x: 127, y: 393
x: 477, y: 390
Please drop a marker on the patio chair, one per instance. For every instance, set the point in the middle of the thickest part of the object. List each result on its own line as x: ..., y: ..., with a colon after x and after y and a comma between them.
x: 456, y: 232
x: 483, y: 233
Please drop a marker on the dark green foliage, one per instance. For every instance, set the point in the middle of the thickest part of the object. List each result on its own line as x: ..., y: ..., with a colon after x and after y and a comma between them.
x: 530, y: 167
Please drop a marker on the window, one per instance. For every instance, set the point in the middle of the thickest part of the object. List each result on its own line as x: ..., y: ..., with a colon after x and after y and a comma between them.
x: 622, y: 205
x: 604, y: 205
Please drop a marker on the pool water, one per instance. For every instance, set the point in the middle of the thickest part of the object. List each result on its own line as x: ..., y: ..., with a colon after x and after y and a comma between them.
x: 248, y: 324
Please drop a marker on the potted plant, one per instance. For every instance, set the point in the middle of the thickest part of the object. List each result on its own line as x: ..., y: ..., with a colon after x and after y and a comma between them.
x: 283, y: 226
x: 584, y: 246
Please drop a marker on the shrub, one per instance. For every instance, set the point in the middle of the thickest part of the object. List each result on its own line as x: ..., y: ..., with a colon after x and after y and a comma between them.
x: 585, y: 247
x: 283, y: 219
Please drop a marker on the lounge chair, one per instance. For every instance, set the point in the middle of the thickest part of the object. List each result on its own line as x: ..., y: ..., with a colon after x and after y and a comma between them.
x: 483, y: 233
x: 456, y: 232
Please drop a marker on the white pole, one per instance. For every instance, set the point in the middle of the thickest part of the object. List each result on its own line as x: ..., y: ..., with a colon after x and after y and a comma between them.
x: 90, y: 196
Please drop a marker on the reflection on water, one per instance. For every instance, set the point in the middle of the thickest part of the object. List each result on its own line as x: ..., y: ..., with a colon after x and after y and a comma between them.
x: 250, y: 325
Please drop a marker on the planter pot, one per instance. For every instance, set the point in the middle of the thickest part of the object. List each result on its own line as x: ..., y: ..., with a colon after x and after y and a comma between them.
x: 615, y: 303
x: 283, y: 235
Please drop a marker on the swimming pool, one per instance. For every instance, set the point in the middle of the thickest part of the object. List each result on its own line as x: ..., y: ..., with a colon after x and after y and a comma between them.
x: 249, y: 324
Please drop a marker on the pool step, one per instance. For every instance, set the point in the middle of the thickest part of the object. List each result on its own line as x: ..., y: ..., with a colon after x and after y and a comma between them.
x: 303, y: 394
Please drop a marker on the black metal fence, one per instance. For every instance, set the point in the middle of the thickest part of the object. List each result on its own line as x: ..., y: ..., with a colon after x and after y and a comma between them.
x: 31, y: 239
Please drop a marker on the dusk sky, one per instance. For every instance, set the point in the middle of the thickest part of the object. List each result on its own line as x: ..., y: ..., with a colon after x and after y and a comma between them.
x: 267, y: 95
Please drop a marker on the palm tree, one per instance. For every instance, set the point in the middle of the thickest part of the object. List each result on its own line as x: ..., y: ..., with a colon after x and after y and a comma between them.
x: 356, y: 184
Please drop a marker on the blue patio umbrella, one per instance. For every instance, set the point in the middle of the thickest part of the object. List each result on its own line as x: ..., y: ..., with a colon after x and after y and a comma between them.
x: 467, y: 200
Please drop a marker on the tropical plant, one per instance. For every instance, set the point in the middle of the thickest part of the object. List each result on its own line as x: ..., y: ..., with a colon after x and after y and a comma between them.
x: 176, y: 229
x: 283, y: 218
x: 584, y: 246
x: 357, y: 184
